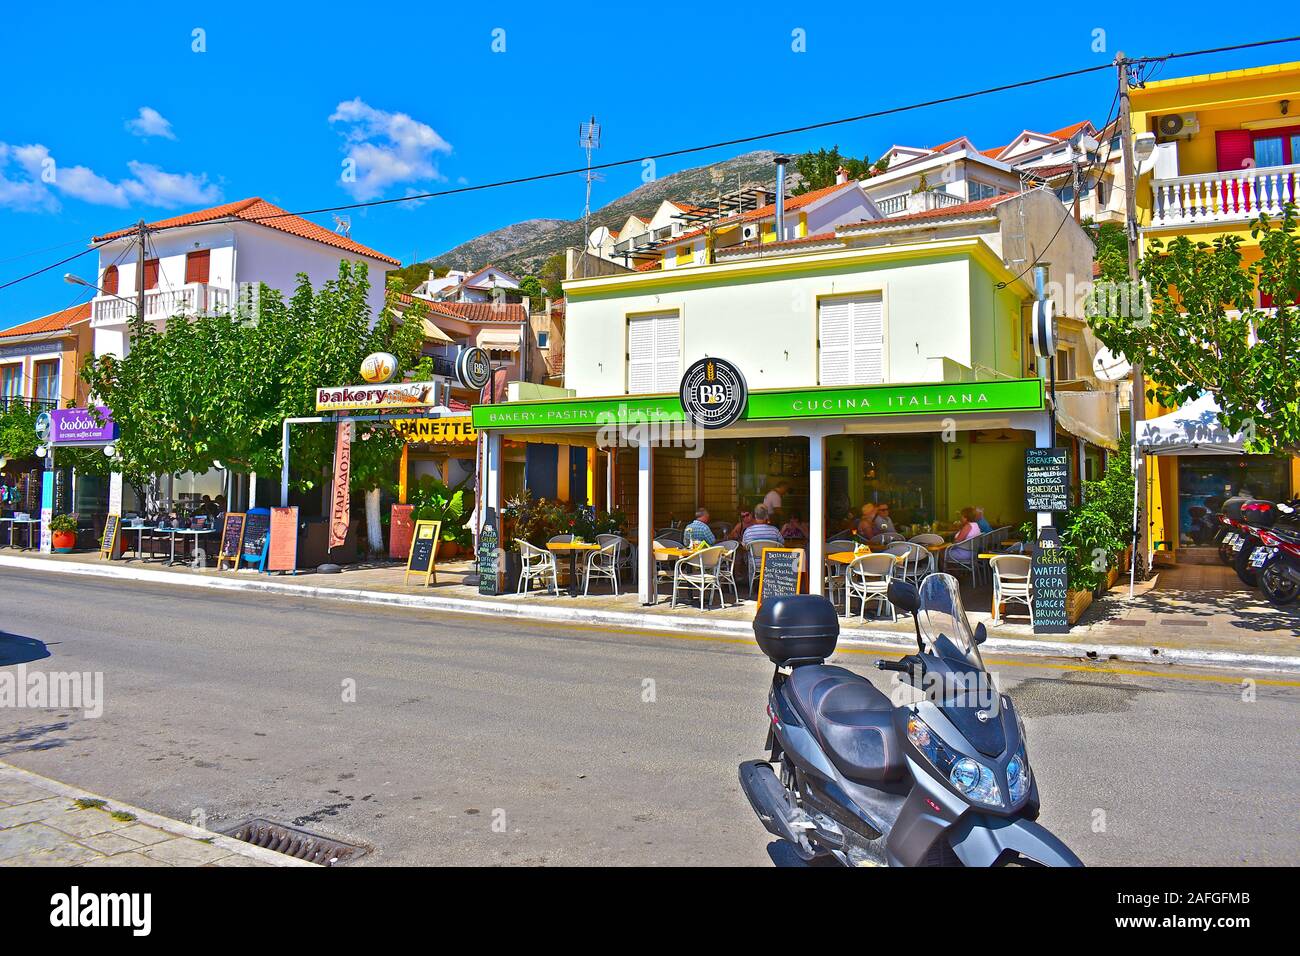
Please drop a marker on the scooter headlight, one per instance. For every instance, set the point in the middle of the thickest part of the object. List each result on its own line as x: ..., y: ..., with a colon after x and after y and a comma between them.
x: 1019, y: 776
x: 971, y: 778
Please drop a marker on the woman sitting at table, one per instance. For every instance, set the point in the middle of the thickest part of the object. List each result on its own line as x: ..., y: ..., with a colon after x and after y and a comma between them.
x: 794, y: 527
x: 967, y: 528
x: 737, y: 533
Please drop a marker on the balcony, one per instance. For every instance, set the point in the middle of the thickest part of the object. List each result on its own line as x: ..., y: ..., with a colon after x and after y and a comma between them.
x: 32, y: 404
x: 1219, y: 197
x: 160, y: 304
x: 909, y: 203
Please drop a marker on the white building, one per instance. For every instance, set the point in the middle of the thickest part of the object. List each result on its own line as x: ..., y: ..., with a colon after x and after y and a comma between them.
x: 197, y: 261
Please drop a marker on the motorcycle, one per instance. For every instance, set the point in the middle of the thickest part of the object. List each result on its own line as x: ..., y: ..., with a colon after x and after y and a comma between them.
x: 1257, y: 514
x: 1227, y: 537
x: 856, y: 779
x: 1277, y: 559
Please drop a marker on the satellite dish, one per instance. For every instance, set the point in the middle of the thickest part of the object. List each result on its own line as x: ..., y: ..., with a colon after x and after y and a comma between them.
x: 1109, y: 367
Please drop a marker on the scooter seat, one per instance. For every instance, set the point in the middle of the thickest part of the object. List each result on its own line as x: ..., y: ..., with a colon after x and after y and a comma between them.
x: 851, y: 719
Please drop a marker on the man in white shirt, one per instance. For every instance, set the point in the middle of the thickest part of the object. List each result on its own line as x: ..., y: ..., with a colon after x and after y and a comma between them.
x: 772, y: 500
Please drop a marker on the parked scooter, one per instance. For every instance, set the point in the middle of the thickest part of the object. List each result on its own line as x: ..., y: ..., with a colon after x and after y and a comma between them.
x: 855, y: 779
x: 1256, y: 514
x: 1227, y: 536
x: 1277, y: 559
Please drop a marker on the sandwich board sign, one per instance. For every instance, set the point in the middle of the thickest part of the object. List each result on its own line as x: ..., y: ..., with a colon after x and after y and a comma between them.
x: 779, y: 572
x: 424, y: 552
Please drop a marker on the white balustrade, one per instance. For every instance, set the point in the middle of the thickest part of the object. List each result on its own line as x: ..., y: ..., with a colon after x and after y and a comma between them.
x: 1224, y: 196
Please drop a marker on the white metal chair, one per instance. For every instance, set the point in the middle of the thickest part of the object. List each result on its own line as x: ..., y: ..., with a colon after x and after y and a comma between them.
x: 754, y: 560
x: 913, y: 561
x: 1011, y: 583
x: 885, y: 537
x: 536, y: 564
x: 727, y: 567
x: 835, y: 572
x: 699, y: 572
x: 926, y: 539
x: 602, y: 564
x: 622, y: 553
x: 964, y: 556
x: 868, y: 580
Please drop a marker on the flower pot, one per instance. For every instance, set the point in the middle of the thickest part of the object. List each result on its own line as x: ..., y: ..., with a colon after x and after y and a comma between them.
x: 65, y: 541
x: 447, y: 550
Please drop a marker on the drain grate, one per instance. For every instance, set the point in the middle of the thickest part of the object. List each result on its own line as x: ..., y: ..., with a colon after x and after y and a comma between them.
x: 294, y: 842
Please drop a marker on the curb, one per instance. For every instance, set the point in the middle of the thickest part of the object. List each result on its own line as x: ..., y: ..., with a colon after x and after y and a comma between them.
x: 859, y: 637
x: 158, y: 821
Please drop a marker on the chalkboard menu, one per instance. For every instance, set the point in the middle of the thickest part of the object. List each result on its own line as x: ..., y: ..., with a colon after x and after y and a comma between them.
x: 778, y: 573
x: 424, y: 551
x: 489, y: 556
x: 282, y: 544
x: 257, y: 530
x: 108, y: 544
x: 1050, y: 583
x: 232, y: 539
x: 1047, y: 479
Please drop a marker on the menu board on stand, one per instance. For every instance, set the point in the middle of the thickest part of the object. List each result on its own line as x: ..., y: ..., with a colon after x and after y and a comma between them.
x: 1050, y: 581
x: 424, y: 552
x: 282, y: 541
x: 257, y: 531
x: 108, y: 543
x: 779, y: 572
x: 232, y: 539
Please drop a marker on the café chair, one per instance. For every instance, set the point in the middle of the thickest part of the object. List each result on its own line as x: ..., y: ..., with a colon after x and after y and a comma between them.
x: 700, y: 572
x: 1011, y: 583
x: 912, y: 561
x: 885, y: 537
x: 868, y: 580
x: 926, y: 539
x: 727, y: 567
x: 623, y: 553
x: 536, y: 564
x: 603, y: 564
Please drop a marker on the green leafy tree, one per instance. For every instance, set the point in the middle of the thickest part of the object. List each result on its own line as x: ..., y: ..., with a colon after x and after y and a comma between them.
x: 17, y: 430
x: 551, y: 275
x: 818, y: 169
x: 531, y: 286
x: 1112, y: 250
x: 1199, y: 329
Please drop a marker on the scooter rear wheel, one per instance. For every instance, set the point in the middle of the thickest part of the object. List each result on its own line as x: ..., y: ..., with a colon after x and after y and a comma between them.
x: 1277, y: 586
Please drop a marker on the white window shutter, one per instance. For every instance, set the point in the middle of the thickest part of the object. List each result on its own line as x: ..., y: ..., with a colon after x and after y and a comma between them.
x: 668, y: 353
x: 641, y: 354
x: 834, y: 328
x: 868, y: 340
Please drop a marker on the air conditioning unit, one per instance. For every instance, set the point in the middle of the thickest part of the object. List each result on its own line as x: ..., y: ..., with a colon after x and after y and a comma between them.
x: 1173, y: 126
x: 750, y: 232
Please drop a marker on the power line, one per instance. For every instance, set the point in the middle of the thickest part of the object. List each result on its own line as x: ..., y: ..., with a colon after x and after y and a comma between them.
x: 737, y: 141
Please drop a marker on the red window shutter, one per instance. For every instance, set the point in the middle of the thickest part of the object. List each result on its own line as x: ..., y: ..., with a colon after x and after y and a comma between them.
x: 150, y: 274
x: 110, y: 281
x: 1235, y: 149
x: 196, y: 266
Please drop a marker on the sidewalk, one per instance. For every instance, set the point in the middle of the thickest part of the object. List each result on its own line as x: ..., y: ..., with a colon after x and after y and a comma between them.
x: 1192, y: 615
x: 47, y: 823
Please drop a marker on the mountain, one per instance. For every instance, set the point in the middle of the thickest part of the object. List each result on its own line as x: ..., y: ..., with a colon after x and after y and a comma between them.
x: 524, y: 246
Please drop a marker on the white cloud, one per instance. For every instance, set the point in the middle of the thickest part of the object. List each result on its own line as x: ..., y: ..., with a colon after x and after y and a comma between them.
x: 42, y: 181
x: 150, y: 123
x: 386, y: 148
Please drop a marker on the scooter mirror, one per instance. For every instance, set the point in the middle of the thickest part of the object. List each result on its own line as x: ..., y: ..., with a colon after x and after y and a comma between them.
x: 903, y: 594
x: 981, y: 634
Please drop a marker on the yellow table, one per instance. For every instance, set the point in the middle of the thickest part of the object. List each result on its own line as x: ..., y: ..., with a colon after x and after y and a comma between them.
x: 573, y: 548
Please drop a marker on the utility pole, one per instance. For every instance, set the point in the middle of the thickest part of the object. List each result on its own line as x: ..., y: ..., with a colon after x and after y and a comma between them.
x: 139, y: 271
x: 1137, y: 406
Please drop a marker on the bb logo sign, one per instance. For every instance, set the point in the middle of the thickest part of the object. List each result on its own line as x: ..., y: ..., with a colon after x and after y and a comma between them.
x: 473, y: 368
x: 713, y: 393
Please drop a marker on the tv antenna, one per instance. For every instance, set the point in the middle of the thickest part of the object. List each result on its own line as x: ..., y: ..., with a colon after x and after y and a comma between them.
x: 343, y: 225
x: 589, y: 140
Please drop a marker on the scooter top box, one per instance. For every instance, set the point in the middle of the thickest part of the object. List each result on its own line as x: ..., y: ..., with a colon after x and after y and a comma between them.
x: 797, y: 629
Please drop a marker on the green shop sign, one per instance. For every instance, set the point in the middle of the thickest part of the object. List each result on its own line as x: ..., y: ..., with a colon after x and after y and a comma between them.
x: 1005, y: 395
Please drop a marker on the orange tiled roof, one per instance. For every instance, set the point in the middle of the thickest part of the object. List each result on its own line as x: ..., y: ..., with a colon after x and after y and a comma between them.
x: 1065, y: 132
x: 469, y: 311
x: 54, y: 322
x: 262, y: 213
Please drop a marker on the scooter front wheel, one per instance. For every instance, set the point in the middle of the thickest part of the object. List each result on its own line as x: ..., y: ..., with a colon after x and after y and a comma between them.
x: 1277, y: 586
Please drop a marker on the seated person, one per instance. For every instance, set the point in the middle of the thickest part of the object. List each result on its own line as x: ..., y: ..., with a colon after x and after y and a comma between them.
x: 980, y: 520
x: 794, y: 527
x: 967, y: 528
x: 762, y: 531
x: 699, y: 530
x: 737, y: 533
x: 883, y: 521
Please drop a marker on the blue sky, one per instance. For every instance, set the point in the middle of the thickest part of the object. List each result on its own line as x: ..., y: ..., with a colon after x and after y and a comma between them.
x: 419, y: 98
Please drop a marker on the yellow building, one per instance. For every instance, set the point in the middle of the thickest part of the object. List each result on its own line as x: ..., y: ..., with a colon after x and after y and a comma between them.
x: 1227, y: 147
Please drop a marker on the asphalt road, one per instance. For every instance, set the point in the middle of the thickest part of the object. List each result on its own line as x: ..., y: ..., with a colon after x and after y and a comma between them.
x: 475, y: 742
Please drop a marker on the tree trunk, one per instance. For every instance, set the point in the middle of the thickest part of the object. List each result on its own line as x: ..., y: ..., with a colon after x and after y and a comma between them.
x: 374, y: 525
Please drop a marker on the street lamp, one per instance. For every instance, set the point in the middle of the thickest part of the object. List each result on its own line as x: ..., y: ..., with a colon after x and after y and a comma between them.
x: 70, y: 279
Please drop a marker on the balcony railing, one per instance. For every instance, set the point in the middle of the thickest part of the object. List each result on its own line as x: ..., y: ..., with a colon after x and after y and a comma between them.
x: 909, y: 203
x: 189, y: 299
x: 1224, y: 196
x: 34, y: 404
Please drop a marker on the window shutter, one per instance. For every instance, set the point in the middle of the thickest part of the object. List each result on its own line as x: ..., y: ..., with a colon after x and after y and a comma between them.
x: 668, y: 353
x: 868, y: 340
x: 1234, y: 149
x: 197, y: 265
x: 834, y: 327
x: 150, y: 274
x: 640, y: 354
x: 109, y: 281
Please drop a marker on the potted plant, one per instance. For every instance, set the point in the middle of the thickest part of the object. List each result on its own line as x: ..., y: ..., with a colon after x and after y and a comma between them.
x: 434, y: 500
x: 64, y: 528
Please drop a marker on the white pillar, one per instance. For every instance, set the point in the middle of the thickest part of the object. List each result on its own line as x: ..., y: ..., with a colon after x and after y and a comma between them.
x: 816, y: 511
x: 647, y: 585
x: 611, y: 464
x: 492, y: 480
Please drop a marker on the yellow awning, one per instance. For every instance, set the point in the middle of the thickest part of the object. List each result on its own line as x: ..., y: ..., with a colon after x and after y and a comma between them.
x: 431, y: 331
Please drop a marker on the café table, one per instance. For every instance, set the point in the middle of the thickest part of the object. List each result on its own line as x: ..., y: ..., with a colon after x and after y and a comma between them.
x: 33, y: 525
x: 194, y: 533
x: 573, y: 549
x: 140, y: 530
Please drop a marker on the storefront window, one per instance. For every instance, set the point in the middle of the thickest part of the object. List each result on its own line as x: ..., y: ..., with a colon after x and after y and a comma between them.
x: 1205, y: 481
x: 895, y: 469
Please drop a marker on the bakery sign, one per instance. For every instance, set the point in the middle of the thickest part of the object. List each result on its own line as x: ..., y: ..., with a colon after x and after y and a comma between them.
x: 455, y: 430
x: 377, y: 397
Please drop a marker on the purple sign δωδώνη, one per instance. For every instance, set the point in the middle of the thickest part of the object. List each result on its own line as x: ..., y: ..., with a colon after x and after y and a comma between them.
x: 73, y: 426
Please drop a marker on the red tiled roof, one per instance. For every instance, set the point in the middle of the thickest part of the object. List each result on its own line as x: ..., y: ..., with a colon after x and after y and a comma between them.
x: 469, y: 311
x: 54, y: 322
x: 649, y: 266
x: 1065, y: 132
x: 262, y: 213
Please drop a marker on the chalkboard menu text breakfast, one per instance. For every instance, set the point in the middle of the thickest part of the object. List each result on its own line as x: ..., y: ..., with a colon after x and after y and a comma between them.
x: 1049, y: 584
x: 778, y: 573
x: 232, y: 539
x: 108, y: 544
x: 1047, y: 479
x: 424, y: 551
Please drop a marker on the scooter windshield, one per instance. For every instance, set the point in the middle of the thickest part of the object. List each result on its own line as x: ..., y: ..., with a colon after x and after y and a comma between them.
x: 942, y: 620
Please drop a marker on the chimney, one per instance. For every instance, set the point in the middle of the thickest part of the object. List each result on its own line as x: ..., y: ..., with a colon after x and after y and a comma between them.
x: 841, y: 175
x: 781, y: 162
